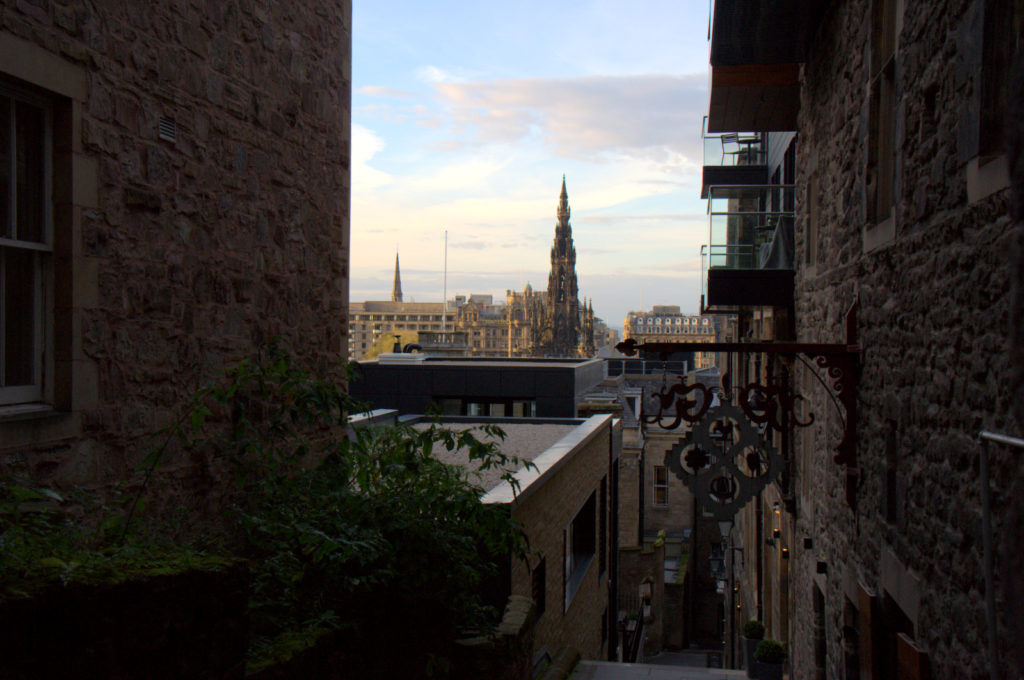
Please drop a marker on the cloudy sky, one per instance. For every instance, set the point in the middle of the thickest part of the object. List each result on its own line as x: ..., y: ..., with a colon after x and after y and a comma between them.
x: 465, y: 116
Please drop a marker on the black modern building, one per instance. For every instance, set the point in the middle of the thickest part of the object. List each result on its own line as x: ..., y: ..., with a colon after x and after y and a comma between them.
x: 537, y: 388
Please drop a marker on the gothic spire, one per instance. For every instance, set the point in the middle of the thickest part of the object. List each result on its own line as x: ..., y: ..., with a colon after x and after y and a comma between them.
x: 563, y: 206
x: 396, y: 289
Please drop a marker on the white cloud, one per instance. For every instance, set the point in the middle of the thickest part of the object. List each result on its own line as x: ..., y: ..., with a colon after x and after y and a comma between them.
x: 388, y: 92
x: 432, y: 74
x: 651, y: 116
x: 365, y: 145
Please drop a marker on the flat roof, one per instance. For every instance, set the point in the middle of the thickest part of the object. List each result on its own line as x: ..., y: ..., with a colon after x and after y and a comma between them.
x: 531, y: 362
x: 545, y: 444
x: 525, y: 441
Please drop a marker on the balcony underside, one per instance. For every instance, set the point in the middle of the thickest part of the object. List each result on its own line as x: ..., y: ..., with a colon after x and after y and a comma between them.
x: 730, y: 175
x: 761, y: 31
x: 754, y: 97
x: 732, y: 289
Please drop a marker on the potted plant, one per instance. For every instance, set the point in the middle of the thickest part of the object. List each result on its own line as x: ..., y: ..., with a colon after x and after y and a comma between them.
x: 753, y: 632
x: 770, y: 655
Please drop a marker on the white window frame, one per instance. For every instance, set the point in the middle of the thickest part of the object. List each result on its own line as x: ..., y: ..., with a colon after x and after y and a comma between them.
x: 42, y: 253
x: 663, y: 485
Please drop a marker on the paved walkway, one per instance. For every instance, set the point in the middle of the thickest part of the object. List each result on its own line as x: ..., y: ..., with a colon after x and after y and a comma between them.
x: 608, y: 670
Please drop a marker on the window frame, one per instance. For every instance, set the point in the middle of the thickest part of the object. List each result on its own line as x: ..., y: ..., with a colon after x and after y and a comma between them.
x: 577, y: 563
x: 662, y: 486
x: 539, y: 588
x: 41, y: 253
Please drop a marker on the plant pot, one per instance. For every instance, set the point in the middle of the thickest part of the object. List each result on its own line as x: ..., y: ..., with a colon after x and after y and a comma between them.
x: 769, y: 671
x: 749, y: 645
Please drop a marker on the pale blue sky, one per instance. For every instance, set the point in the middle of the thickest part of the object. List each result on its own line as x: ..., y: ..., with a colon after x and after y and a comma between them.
x: 465, y: 115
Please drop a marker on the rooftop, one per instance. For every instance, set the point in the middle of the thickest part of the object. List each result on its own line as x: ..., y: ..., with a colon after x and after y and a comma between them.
x: 526, y: 441
x: 546, y: 443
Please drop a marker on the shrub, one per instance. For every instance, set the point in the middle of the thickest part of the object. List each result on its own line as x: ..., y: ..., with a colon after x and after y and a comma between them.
x: 365, y: 531
x: 753, y: 629
x: 770, y: 651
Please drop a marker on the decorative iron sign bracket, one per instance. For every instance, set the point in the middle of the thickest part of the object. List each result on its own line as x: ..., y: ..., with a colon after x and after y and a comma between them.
x: 773, y: 404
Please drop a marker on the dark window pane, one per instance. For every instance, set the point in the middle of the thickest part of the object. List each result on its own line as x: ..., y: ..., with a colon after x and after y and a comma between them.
x: 19, y: 316
x: 5, y: 168
x: 31, y: 146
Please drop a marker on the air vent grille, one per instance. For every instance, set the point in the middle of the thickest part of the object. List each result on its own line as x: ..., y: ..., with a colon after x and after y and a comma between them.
x: 168, y: 130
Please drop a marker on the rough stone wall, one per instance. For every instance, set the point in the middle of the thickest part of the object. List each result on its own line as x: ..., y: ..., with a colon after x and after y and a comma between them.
x: 934, y: 324
x: 544, y: 515
x: 186, y: 255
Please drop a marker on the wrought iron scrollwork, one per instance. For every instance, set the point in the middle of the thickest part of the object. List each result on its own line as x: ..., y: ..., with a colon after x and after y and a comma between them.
x: 724, y: 461
x: 773, y: 405
x: 675, y: 400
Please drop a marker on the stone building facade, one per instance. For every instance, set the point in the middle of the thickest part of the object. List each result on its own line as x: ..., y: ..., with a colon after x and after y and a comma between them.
x: 665, y: 323
x: 878, y: 567
x: 182, y: 172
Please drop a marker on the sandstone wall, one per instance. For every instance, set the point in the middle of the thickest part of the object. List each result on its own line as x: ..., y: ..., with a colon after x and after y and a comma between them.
x: 174, y: 259
x: 934, y: 322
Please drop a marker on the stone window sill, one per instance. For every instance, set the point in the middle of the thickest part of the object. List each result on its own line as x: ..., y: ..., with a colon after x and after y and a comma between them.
x: 986, y: 177
x: 33, y: 411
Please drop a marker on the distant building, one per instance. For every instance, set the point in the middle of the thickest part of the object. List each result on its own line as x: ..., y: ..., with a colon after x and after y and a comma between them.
x: 415, y: 383
x: 551, y: 323
x: 666, y: 323
x: 603, y: 335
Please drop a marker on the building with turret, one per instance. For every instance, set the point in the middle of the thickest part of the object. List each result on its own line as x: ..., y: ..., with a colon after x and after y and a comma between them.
x: 530, y: 323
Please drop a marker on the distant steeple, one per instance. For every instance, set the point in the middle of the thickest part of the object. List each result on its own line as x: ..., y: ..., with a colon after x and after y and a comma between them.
x: 396, y: 289
x: 563, y: 303
x: 563, y: 205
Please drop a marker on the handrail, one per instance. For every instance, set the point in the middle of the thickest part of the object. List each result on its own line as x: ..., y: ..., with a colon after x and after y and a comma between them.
x: 986, y: 523
x: 1015, y: 442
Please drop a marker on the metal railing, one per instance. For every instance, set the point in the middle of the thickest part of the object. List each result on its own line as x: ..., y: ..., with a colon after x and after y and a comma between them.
x: 988, y: 438
x: 734, y: 148
x: 743, y: 228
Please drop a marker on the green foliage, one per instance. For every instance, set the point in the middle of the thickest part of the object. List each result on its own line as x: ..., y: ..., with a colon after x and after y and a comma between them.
x: 350, y: 528
x: 358, y: 528
x: 44, y: 541
x: 753, y: 630
x: 770, y: 651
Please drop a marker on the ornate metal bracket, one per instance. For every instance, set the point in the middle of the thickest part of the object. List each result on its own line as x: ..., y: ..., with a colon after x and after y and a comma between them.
x: 724, y: 461
x: 771, y: 404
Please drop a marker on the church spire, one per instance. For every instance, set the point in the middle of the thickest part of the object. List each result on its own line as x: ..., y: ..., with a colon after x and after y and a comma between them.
x: 563, y: 205
x: 562, y: 301
x: 396, y: 289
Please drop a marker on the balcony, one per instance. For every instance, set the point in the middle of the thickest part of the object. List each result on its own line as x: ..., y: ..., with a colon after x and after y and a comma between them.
x: 756, y: 49
x: 749, y: 258
x: 733, y: 158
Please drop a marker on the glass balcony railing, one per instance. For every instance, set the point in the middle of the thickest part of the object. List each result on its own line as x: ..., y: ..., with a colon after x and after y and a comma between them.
x: 749, y: 227
x: 734, y: 148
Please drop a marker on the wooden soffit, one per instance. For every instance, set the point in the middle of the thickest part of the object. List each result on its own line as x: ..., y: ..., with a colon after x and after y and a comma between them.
x: 761, y: 97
